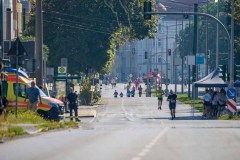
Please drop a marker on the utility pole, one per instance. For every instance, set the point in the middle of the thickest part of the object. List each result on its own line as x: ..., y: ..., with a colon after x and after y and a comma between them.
x: 206, y: 54
x: 232, y: 46
x: 39, y: 42
x: 167, y: 57
x: 195, y: 42
x: 1, y: 29
x: 217, y: 38
x: 182, y: 67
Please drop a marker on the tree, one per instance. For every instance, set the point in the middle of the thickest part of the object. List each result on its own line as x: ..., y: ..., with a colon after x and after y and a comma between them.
x: 88, y: 32
x: 185, y: 36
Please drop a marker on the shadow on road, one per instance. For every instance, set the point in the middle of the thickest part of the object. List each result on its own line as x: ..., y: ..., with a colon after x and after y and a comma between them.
x: 177, y: 118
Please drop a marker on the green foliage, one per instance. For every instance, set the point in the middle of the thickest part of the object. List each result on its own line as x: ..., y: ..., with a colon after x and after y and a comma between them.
x: 25, y: 117
x: 50, y: 125
x: 228, y: 117
x: 185, y: 38
x: 86, y: 94
x: 16, y: 130
x: 96, y: 95
x: 11, y: 131
x: 88, y: 33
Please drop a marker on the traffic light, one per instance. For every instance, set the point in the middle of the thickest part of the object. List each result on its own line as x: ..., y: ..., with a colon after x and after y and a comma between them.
x: 185, y: 16
x: 147, y: 8
x: 222, y: 72
x: 236, y: 72
x: 169, y: 52
x: 145, y: 55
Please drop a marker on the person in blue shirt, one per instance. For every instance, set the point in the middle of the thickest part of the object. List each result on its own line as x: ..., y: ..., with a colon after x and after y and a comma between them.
x: 33, y: 94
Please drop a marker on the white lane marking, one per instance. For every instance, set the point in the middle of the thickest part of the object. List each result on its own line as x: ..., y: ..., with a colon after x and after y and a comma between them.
x: 125, y: 111
x: 149, y: 146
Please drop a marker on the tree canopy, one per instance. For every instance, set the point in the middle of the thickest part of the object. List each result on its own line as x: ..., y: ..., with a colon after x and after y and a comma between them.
x: 89, y: 32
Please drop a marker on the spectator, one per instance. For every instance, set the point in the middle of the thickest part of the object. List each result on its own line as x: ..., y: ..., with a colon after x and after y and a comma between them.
x: 214, y: 108
x: 222, y: 101
x: 72, y: 100
x: 206, y: 103
x: 33, y: 94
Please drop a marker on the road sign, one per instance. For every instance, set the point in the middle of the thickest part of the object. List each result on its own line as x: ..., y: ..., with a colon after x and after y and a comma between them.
x: 232, y: 105
x: 200, y: 59
x: 62, y: 71
x: 17, y: 45
x: 231, y: 93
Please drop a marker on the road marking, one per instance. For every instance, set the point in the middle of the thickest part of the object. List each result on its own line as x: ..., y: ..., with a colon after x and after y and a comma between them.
x: 149, y: 146
x: 125, y: 111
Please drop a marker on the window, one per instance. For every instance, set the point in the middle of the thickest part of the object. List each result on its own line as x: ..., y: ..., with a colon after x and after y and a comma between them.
x: 153, y: 42
x: 159, y: 28
x: 140, y: 59
x: 159, y: 43
x: 21, y: 90
x: 159, y: 59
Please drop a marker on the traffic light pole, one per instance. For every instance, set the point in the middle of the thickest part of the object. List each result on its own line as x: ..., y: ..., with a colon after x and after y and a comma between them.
x: 167, y: 57
x: 232, y: 47
x: 230, y: 38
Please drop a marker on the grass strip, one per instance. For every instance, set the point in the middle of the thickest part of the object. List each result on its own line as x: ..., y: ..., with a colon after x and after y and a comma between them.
x: 198, y: 103
x: 12, y: 126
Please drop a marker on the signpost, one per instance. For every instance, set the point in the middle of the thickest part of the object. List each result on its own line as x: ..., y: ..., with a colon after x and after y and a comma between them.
x: 17, y: 50
x: 62, y: 71
x: 231, y: 102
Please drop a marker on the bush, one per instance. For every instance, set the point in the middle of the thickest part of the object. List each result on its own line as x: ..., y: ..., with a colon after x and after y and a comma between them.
x: 96, y: 95
x: 86, y: 94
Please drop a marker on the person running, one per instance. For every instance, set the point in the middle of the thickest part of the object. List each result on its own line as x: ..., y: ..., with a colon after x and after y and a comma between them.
x: 160, y: 94
x: 172, y: 103
x: 115, y: 94
x: 140, y: 91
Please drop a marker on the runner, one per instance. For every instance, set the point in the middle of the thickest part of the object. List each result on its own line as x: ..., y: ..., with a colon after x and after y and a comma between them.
x: 160, y: 94
x: 172, y: 103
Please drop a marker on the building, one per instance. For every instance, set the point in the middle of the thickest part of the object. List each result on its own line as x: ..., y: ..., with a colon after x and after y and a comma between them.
x: 139, y: 57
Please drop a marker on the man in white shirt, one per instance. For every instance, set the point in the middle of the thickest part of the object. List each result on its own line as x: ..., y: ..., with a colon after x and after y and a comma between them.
x: 207, y: 103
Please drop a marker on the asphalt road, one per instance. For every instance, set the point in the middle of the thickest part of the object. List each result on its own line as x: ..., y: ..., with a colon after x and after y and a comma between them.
x: 132, y: 129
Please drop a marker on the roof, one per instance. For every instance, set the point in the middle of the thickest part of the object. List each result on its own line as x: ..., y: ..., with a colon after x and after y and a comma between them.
x: 211, y: 80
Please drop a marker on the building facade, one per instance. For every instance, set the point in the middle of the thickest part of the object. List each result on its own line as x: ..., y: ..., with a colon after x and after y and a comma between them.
x: 158, y: 54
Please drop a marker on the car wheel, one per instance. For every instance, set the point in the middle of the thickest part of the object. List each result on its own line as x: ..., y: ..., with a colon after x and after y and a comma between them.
x: 42, y: 113
x: 53, y: 114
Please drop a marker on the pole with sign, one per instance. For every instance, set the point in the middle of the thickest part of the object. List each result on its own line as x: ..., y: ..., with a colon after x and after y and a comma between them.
x: 231, y: 102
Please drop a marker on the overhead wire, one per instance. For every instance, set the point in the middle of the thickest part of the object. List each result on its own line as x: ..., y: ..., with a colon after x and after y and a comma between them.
x: 77, y: 27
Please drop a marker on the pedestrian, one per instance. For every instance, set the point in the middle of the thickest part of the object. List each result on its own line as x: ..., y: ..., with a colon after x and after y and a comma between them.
x: 222, y: 101
x: 140, y: 91
x: 121, y: 94
x: 115, y: 93
x: 149, y: 90
x: 214, y: 104
x: 206, y: 103
x: 72, y: 100
x: 172, y: 103
x: 160, y: 94
x: 32, y: 95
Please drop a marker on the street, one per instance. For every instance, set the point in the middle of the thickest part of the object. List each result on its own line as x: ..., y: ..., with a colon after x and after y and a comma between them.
x: 132, y: 129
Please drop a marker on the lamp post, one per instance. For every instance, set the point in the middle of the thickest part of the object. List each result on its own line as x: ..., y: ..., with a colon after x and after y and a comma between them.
x: 217, y: 34
x: 232, y: 46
